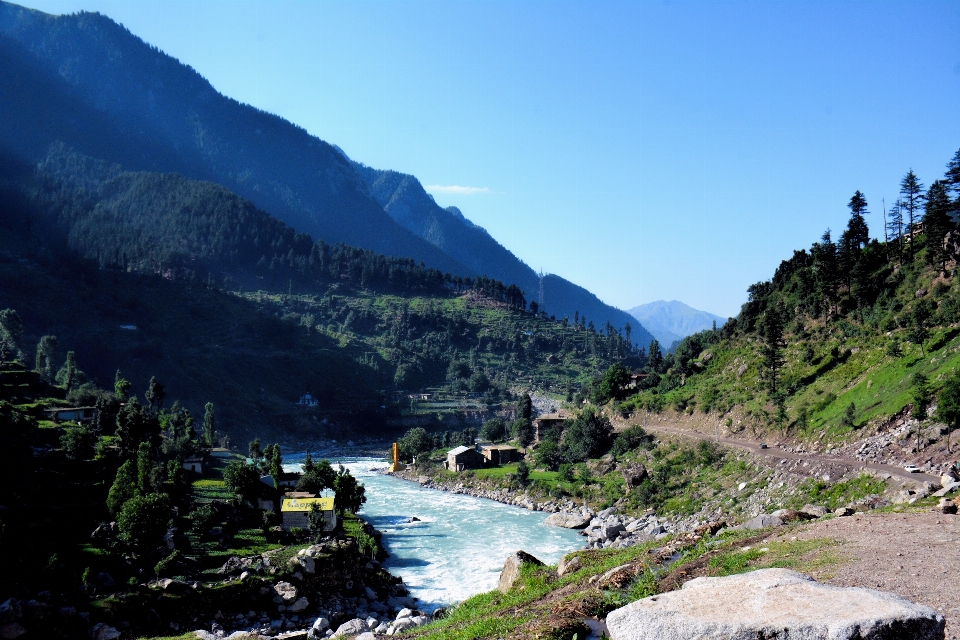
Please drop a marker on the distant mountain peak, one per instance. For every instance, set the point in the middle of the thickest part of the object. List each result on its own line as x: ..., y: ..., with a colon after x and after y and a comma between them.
x: 673, y: 320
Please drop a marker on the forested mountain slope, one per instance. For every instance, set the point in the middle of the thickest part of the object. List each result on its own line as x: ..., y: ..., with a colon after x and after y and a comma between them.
x: 215, y: 286
x: 158, y: 114
x: 86, y: 81
x: 844, y: 335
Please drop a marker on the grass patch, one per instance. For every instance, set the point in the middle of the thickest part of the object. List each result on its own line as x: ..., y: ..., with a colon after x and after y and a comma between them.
x: 836, y: 495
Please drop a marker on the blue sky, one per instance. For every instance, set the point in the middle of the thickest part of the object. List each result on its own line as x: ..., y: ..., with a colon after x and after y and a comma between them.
x: 644, y: 150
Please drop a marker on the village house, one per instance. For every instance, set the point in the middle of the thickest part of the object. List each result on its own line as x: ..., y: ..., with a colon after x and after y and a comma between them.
x: 546, y: 421
x: 498, y: 454
x: 296, y: 512
x: 463, y: 458
x: 193, y: 464
x: 72, y: 414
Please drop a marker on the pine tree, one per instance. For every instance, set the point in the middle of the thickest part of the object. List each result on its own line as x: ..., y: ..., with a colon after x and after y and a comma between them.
x: 209, y: 424
x: 912, y: 197
x: 121, y: 387
x: 895, y: 229
x: 772, y: 349
x: 952, y: 177
x: 937, y: 223
x: 155, y: 394
x: 825, y: 271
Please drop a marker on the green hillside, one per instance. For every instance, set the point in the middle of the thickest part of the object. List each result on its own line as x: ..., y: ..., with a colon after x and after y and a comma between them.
x: 836, y: 339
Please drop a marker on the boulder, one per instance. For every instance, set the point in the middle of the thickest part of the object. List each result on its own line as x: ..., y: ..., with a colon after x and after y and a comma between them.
x: 103, y: 631
x: 300, y: 604
x: 789, y: 515
x: 404, y: 613
x: 511, y: 569
x: 10, y: 610
x: 762, y: 521
x: 569, y: 564
x: 319, y: 628
x: 286, y: 591
x: 843, y: 512
x: 351, y: 628
x: 567, y: 520
x: 633, y: 475
x: 947, y: 488
x: 403, y: 624
x: 612, y: 531
x: 773, y: 603
x: 814, y: 510
x: 947, y: 506
x: 305, y: 563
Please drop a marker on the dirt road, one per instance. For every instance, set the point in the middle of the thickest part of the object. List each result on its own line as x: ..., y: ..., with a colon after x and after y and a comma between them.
x: 775, y: 454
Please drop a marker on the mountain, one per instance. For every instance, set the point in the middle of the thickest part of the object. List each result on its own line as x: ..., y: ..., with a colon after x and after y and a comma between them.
x: 405, y: 200
x: 86, y: 81
x: 671, y: 321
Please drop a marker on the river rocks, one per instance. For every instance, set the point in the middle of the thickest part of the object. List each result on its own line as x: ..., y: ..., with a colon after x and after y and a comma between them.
x: 11, y: 630
x: 319, y: 628
x: 285, y: 591
x: 567, y: 520
x: 569, y: 564
x: 511, y: 569
x: 351, y: 628
x: 762, y: 521
x: 103, y: 631
x: 773, y: 603
x: 299, y: 605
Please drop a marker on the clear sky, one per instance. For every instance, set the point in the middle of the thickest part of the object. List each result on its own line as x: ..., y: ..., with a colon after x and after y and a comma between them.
x: 644, y: 150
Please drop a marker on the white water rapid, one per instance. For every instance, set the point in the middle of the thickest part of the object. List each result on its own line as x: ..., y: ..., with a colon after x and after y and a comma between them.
x: 457, y: 548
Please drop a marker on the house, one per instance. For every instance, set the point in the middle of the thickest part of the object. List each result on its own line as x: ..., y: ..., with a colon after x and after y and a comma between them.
x: 220, y: 452
x: 546, y: 421
x: 72, y: 414
x: 296, y: 512
x: 307, y: 400
x: 498, y: 454
x: 463, y: 458
x: 194, y: 464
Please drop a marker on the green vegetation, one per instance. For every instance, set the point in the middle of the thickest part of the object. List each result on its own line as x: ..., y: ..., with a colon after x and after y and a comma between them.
x: 834, y: 339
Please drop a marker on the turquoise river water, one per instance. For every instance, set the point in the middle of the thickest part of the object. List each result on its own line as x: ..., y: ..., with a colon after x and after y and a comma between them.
x: 457, y: 548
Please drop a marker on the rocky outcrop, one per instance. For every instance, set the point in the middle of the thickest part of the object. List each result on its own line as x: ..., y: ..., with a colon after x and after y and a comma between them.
x: 773, y: 603
x: 511, y: 569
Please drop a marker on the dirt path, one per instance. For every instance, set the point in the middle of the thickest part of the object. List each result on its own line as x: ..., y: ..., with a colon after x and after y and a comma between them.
x: 915, y: 555
x: 843, y: 464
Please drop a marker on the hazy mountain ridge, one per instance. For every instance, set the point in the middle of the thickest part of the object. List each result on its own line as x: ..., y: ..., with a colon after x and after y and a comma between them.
x: 407, y: 202
x: 673, y: 320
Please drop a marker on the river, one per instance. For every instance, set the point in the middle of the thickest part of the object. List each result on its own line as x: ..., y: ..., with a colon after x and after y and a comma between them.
x: 457, y: 548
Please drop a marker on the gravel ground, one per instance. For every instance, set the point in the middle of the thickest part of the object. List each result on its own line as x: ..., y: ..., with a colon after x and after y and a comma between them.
x: 915, y: 555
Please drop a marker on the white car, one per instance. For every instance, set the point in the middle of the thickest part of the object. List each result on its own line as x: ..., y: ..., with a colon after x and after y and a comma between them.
x: 911, y: 468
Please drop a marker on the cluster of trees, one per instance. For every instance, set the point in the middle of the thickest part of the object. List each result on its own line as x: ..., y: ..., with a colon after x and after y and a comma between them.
x: 588, y: 435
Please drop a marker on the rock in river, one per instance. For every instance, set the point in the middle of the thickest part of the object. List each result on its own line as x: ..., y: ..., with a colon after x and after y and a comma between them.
x: 568, y: 520
x: 773, y: 603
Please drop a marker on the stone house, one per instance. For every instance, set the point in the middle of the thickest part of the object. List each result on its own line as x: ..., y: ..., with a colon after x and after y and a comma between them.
x: 497, y: 454
x: 544, y: 422
x: 296, y: 512
x: 463, y: 458
x: 193, y: 464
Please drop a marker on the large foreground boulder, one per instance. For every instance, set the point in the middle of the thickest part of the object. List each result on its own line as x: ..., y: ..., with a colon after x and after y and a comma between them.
x: 511, y: 569
x: 568, y: 520
x: 773, y: 603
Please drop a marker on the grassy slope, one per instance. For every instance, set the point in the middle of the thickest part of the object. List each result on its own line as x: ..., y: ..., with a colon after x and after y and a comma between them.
x: 850, y: 364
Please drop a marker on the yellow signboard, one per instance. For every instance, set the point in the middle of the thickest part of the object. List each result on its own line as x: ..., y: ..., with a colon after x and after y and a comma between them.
x: 305, y: 504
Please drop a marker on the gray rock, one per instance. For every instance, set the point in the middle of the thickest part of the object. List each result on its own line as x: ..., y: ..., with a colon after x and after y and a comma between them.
x: 351, y: 628
x: 773, y: 603
x: 511, y: 569
x: 11, y: 630
x: 320, y: 625
x: 10, y: 610
x: 843, y: 511
x: 299, y: 604
x: 947, y: 488
x: 947, y: 506
x: 404, y: 624
x: 286, y: 591
x: 762, y: 521
x: 404, y: 613
x: 611, y: 531
x: 569, y: 564
x: 103, y: 631
x: 366, y: 636
x: 567, y: 520
x: 814, y: 510
x: 306, y: 563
